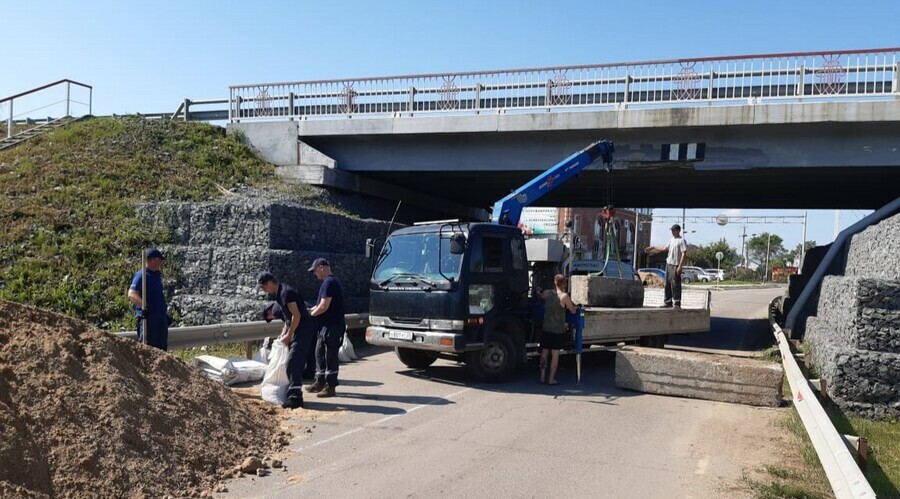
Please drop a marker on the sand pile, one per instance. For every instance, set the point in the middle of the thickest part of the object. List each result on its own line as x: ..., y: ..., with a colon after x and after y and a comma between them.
x: 85, y: 414
x: 652, y: 280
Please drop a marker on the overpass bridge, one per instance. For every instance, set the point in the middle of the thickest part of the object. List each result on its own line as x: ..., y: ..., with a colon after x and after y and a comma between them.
x: 802, y: 130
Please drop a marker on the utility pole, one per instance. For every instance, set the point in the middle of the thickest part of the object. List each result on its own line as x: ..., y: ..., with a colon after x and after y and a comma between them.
x: 837, y: 223
x: 637, y: 226
x: 683, y: 220
x: 803, y: 245
x: 766, y: 270
x: 744, y: 248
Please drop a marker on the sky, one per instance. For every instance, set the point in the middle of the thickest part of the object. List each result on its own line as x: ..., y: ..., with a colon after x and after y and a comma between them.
x: 147, y: 56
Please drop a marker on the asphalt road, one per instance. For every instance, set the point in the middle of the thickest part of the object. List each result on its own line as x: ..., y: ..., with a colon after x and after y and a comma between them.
x: 398, y: 432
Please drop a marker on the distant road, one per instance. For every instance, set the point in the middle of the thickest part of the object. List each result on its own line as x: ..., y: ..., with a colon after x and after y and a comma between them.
x: 397, y: 432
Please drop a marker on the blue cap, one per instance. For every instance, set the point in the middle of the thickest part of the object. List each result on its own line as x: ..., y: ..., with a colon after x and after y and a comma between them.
x: 317, y: 262
x: 264, y: 277
x: 155, y: 253
x: 274, y: 308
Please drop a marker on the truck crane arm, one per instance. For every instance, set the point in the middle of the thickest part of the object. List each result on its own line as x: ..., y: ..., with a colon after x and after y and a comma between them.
x: 508, y: 211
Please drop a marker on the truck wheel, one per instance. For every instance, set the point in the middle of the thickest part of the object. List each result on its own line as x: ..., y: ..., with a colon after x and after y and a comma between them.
x: 416, y: 359
x: 495, y: 361
x: 653, y: 341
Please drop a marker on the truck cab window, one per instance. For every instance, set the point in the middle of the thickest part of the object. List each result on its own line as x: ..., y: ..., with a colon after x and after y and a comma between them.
x: 487, y: 255
x: 517, y: 248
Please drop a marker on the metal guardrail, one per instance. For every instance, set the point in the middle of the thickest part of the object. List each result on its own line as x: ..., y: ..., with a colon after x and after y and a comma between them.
x: 218, y: 334
x: 844, y: 475
x: 11, y: 102
x: 795, y: 77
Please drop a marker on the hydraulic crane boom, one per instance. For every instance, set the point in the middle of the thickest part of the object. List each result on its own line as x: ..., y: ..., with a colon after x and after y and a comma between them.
x: 508, y: 211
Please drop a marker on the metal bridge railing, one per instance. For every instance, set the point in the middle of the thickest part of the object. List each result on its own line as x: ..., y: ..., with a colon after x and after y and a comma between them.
x: 682, y: 82
x: 12, y: 105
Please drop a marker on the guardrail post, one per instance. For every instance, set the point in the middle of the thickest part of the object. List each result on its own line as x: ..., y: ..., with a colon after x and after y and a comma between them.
x: 477, y: 97
x: 68, y: 96
x: 411, y: 103
x: 237, y: 109
x: 549, y: 87
x: 291, y: 105
x: 9, y: 123
x: 801, y: 85
x: 895, y: 83
x: 187, y: 109
x: 709, y: 89
x: 626, y: 98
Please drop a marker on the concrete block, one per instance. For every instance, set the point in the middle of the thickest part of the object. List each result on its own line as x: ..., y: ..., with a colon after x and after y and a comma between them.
x: 699, y: 375
x: 606, y: 292
x: 865, y: 312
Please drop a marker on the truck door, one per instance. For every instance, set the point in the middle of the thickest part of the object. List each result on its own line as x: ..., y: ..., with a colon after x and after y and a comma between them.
x: 488, y: 280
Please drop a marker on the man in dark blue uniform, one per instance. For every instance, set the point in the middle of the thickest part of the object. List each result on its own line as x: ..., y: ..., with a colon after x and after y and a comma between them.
x: 273, y: 311
x: 330, y: 314
x: 155, y: 309
x: 296, y: 332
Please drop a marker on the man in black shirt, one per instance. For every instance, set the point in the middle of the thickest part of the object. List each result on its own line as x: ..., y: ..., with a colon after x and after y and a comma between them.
x: 297, y: 329
x: 330, y: 314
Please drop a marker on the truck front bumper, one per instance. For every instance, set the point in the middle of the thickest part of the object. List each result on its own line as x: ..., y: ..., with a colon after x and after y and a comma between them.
x: 435, y: 341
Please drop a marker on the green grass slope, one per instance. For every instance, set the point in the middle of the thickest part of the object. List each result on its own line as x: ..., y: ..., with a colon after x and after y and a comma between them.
x: 70, y: 238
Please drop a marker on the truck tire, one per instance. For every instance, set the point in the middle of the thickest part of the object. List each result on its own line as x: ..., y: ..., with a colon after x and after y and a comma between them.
x: 496, y: 361
x: 416, y: 359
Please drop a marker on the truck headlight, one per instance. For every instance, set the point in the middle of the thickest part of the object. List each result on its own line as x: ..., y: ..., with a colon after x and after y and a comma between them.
x: 446, y: 324
x: 377, y: 320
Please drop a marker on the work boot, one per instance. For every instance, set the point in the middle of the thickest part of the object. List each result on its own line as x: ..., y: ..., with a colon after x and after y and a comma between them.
x: 292, y: 403
x: 327, y: 391
x: 315, y: 387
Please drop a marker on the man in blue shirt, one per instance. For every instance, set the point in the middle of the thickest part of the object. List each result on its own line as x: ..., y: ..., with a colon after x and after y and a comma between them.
x: 154, y: 308
x: 295, y: 333
x: 330, y: 314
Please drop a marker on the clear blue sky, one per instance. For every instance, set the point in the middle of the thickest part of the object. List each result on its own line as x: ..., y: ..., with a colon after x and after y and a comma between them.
x: 146, y: 56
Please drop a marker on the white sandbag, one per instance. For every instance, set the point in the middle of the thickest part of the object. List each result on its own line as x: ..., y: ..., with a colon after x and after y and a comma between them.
x: 275, y: 382
x: 262, y: 355
x: 346, y: 352
x: 230, y: 371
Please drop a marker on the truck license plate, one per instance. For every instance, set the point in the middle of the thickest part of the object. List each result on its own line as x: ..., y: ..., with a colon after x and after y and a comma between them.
x: 400, y: 335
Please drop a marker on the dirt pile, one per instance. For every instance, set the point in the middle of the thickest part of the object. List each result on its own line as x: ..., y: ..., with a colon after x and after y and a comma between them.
x: 86, y: 414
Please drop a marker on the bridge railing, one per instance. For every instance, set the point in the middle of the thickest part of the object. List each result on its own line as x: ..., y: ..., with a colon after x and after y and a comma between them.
x: 18, y: 111
x: 756, y: 79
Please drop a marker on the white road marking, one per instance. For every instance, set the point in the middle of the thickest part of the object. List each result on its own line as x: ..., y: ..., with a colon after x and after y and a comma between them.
x: 378, y: 422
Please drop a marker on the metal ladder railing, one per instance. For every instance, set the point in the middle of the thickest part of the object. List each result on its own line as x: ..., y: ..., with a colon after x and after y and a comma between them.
x: 12, y: 100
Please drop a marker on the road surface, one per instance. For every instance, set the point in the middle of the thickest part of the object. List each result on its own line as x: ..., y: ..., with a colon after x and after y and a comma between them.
x: 399, y: 432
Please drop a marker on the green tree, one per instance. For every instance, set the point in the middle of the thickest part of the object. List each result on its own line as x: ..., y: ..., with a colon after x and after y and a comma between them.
x: 760, y: 244
x: 705, y: 256
x: 792, y: 255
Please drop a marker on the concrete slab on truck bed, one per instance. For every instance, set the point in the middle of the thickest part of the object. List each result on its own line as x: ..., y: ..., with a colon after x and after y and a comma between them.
x: 699, y: 375
x: 619, y: 324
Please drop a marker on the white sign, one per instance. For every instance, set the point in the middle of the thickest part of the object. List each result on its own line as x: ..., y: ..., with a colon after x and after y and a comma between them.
x: 541, y: 220
x: 719, y: 256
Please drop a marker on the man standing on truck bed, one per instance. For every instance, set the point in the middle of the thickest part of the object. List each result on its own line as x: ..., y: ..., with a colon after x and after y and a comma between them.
x: 330, y: 314
x: 677, y: 249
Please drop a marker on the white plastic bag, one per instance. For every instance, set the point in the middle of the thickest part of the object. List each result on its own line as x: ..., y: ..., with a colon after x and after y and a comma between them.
x: 262, y: 355
x: 346, y: 352
x: 230, y: 371
x: 275, y: 383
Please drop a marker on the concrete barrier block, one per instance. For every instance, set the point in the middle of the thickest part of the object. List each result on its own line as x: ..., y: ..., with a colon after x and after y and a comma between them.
x: 606, y: 292
x: 699, y: 375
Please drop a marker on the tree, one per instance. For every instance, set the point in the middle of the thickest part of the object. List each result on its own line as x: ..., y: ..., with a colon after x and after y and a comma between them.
x: 794, y: 254
x: 705, y: 256
x: 757, y: 246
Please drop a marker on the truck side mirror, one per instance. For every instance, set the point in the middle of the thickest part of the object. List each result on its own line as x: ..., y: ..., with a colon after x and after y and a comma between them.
x: 370, y: 246
x: 457, y: 244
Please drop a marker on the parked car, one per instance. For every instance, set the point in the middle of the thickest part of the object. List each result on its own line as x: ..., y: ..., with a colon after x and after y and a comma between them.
x: 719, y: 274
x: 691, y: 274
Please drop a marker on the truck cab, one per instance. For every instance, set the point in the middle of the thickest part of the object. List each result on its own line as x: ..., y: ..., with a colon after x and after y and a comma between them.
x: 453, y: 290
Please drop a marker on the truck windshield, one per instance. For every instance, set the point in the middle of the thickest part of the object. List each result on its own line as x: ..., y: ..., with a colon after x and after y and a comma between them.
x: 418, y: 256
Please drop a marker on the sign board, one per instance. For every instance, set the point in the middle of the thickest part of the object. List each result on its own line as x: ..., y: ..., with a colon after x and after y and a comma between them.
x: 722, y: 219
x: 540, y: 220
x: 719, y: 256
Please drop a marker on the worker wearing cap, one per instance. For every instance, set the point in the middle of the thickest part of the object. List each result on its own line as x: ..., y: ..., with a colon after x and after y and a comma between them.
x: 677, y: 249
x: 330, y: 314
x: 155, y: 309
x: 296, y: 332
